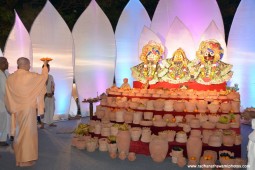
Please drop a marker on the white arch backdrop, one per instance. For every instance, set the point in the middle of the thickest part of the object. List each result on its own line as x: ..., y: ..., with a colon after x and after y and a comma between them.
x: 195, y: 14
x: 18, y: 44
x: 51, y: 37
x: 130, y: 25
x: 241, y: 51
x: 95, y: 53
x: 179, y: 36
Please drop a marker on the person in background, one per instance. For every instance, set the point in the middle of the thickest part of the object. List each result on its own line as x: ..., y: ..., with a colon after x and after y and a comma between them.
x: 25, y: 92
x: 4, y: 115
x: 49, y: 101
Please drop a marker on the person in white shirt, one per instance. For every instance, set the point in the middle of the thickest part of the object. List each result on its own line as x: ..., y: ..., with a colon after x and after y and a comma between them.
x: 49, y: 101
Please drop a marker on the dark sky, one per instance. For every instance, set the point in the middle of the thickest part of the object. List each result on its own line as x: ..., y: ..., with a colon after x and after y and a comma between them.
x: 70, y: 10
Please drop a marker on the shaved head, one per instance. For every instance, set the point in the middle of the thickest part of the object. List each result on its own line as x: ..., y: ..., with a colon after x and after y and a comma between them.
x: 23, y: 63
x: 3, y: 64
x: 2, y: 60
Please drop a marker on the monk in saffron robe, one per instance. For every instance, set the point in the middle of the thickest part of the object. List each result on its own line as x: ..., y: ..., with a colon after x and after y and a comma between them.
x: 24, y: 100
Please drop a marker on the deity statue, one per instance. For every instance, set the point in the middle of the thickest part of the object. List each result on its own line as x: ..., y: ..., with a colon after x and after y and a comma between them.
x: 177, y: 68
x: 147, y: 71
x: 210, y: 68
x: 125, y: 85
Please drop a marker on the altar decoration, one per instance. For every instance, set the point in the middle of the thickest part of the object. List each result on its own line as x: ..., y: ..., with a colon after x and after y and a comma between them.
x: 147, y: 71
x: 177, y: 68
x: 210, y: 68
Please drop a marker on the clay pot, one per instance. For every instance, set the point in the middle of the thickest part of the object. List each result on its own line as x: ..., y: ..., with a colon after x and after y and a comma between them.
x: 233, y: 95
x: 113, y: 155
x: 137, y: 117
x: 74, y: 140
x: 163, y: 134
x: 194, y: 123
x: 211, y: 153
x: 238, y: 140
x: 225, y: 107
x: 114, y: 130
x: 128, y: 117
x: 157, y: 117
x: 202, y: 106
x: 100, y: 114
x: 213, y: 118
x: 149, y: 105
x: 178, y: 118
x: 227, y: 161
x: 213, y: 107
x: 120, y: 115
x: 131, y: 156
x: 194, y: 148
x: 112, y: 115
x: 235, y: 106
x: 97, y: 128
x: 215, y: 140
x: 148, y: 115
x: 186, y: 128
x: 190, y: 105
x: 179, y: 106
x: 105, y: 131
x: 91, y: 145
x: 112, y: 147
x: 205, y: 160
x: 146, y: 135
x: 206, y: 135
x: 176, y: 154
x: 181, y: 161
x: 135, y: 133
x: 158, y: 149
x: 80, y: 144
x: 188, y: 117
x: 123, y: 141
x: 169, y: 105
x: 133, y: 105
x: 109, y: 100
x: 228, y: 140
x: 195, y: 133
x: 122, y: 155
x: 159, y: 104
x: 171, y: 135
x: 103, y: 144
x: 202, y: 117
x: 208, y: 125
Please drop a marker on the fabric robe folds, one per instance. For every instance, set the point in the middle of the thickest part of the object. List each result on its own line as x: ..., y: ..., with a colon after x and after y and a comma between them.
x: 24, y: 95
